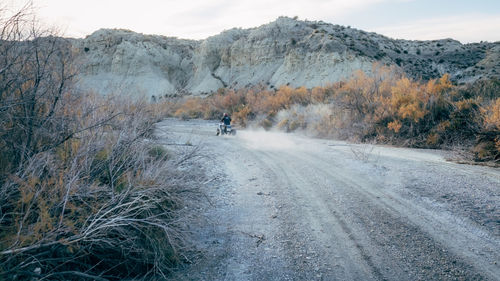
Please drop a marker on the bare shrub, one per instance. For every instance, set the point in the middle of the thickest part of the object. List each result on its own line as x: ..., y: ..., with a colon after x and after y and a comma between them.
x: 107, y: 198
x: 83, y: 193
x: 363, y: 152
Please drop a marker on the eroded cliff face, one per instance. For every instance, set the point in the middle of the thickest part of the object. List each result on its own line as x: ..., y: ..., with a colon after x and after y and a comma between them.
x: 119, y: 61
x: 284, y: 52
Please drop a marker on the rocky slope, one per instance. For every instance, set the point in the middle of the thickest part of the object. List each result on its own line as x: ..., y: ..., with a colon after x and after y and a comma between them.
x: 284, y: 52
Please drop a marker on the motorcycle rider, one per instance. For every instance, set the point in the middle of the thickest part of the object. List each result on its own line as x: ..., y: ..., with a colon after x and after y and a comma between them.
x: 225, y: 121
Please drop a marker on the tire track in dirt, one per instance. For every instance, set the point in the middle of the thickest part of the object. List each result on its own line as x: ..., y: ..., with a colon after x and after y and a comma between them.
x: 448, y: 265
x: 355, y: 257
x: 448, y: 235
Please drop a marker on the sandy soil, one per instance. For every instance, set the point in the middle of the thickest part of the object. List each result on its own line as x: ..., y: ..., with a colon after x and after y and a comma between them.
x: 288, y: 207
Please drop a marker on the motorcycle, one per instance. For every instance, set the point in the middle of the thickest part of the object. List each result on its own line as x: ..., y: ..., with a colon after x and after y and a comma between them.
x: 224, y: 129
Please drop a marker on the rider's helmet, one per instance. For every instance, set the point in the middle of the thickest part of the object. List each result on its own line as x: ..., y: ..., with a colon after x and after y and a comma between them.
x: 225, y: 114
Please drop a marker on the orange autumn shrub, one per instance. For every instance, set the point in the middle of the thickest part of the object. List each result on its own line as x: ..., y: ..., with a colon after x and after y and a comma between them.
x: 384, y: 106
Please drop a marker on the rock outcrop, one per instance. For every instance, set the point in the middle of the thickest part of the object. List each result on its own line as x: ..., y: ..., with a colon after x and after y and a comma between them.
x: 284, y: 52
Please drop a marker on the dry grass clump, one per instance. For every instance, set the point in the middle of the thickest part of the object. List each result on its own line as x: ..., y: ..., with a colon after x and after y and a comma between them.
x: 83, y: 193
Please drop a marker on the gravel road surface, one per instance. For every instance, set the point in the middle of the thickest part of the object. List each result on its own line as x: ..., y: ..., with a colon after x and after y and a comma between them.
x: 289, y: 207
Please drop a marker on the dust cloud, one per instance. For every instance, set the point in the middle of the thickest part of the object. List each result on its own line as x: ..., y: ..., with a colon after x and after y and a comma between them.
x: 265, y: 140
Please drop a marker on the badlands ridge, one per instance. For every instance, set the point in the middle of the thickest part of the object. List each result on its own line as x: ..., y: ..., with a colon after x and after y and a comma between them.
x: 284, y: 52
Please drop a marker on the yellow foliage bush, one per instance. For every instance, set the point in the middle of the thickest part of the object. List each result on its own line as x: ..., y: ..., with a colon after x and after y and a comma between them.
x: 283, y: 124
x: 407, y: 101
x: 266, y: 124
x: 432, y: 139
x: 190, y: 108
x: 492, y: 115
x: 443, y: 126
x: 241, y: 116
x: 395, y: 126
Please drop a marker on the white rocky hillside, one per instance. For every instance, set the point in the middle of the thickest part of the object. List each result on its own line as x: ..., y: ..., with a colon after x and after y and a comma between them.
x: 284, y: 52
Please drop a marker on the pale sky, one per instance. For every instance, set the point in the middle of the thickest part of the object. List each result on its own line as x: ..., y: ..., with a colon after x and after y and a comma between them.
x: 464, y: 20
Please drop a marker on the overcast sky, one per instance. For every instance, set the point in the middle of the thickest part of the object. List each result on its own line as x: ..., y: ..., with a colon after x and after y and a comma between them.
x: 464, y: 20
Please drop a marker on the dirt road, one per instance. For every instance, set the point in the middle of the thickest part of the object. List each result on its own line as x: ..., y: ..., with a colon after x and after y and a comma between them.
x: 287, y: 207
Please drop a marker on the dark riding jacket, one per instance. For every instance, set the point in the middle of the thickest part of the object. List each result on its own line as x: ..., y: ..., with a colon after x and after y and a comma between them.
x: 226, y: 120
